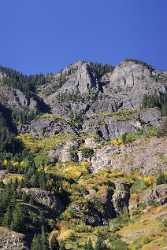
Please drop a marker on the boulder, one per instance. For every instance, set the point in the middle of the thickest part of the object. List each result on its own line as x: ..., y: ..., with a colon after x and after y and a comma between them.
x: 11, y: 240
x: 64, y: 152
x: 121, y: 197
x: 156, y: 194
x: 150, y: 116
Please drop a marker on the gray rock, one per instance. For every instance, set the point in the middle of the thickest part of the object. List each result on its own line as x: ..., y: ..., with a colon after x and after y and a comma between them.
x: 48, y: 127
x: 121, y: 197
x: 151, y: 116
x: 45, y: 198
x: 156, y: 194
x: 17, y: 100
x: 123, y: 87
x: 11, y: 240
x: 64, y: 152
x: 109, y: 128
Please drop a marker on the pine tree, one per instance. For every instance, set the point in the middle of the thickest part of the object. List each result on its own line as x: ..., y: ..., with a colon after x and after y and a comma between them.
x: 7, y: 219
x: 100, y: 244
x: 36, y: 243
x: 17, y: 219
x: 88, y: 245
x: 60, y: 247
x: 44, y: 240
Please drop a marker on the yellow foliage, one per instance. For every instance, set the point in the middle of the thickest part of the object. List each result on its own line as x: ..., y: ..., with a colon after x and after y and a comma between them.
x: 69, y: 170
x: 13, y: 178
x: 15, y: 163
x: 45, y: 143
x: 5, y: 163
x: 65, y: 234
x: 149, y: 180
x: 23, y: 164
x: 74, y: 171
x: 165, y: 173
x: 117, y: 142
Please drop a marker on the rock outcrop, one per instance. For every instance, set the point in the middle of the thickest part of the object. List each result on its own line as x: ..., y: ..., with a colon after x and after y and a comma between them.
x: 92, y: 92
x: 145, y: 156
x: 157, y: 194
x: 46, y: 127
x: 45, y: 198
x: 11, y: 240
x: 97, y: 206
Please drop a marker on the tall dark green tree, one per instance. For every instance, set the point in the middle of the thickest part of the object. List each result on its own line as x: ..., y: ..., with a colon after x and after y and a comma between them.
x: 44, y: 240
x: 89, y: 245
x: 18, y: 219
x: 7, y: 218
x: 36, y: 243
x: 100, y: 245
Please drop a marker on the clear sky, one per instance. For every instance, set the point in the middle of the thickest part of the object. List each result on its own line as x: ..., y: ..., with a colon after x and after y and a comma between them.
x: 46, y: 35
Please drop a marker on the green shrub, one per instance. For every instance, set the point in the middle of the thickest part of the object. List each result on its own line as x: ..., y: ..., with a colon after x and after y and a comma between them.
x: 161, y: 179
x: 87, y: 152
x: 89, y: 245
x: 138, y: 186
x: 100, y: 244
x: 117, y: 243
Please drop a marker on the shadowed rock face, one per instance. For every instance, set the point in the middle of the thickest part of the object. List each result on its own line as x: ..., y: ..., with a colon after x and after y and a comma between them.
x: 16, y: 99
x: 46, y: 199
x: 46, y: 127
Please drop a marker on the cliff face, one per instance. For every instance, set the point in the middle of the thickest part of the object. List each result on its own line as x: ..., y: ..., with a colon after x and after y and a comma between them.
x: 86, y: 149
x: 85, y: 87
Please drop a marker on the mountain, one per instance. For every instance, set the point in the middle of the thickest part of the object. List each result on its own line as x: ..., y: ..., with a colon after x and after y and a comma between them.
x: 83, y: 158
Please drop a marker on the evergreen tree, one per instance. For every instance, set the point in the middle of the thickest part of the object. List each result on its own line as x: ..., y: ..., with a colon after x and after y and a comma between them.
x: 60, y: 247
x: 7, y: 219
x: 88, y: 245
x: 17, y: 219
x: 100, y: 245
x: 44, y: 240
x: 36, y: 243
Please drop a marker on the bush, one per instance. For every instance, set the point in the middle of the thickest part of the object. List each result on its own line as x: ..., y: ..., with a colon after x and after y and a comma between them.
x: 89, y: 245
x: 117, y: 243
x: 87, y: 152
x: 138, y: 186
x: 161, y: 179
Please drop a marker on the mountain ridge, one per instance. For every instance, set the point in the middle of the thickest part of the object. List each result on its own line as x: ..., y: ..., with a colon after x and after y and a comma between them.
x: 83, y: 158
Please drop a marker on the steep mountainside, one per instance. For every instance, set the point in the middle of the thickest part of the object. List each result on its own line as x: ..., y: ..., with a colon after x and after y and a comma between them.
x: 83, y: 158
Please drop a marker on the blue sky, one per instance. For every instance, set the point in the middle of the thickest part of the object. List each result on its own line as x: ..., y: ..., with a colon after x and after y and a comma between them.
x: 46, y: 35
